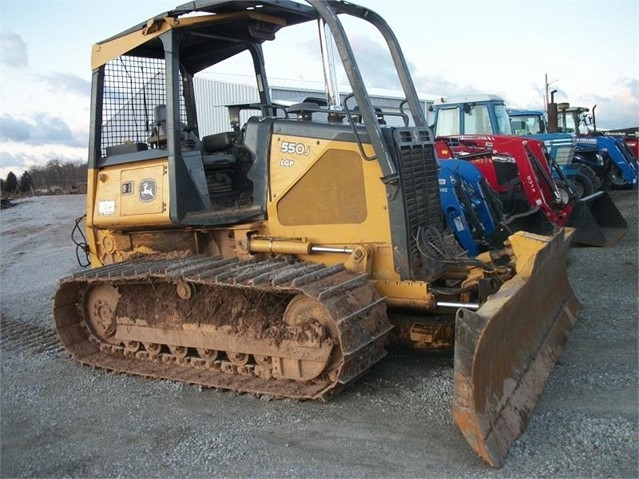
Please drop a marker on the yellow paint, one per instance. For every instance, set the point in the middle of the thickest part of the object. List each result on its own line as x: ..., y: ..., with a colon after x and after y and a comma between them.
x: 104, y: 52
x: 284, y: 176
x: 279, y: 246
x: 341, y: 216
x: 119, y: 195
x: 414, y: 294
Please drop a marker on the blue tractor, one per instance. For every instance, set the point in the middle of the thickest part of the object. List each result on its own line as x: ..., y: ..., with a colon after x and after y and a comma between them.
x: 580, y: 121
x: 608, y: 157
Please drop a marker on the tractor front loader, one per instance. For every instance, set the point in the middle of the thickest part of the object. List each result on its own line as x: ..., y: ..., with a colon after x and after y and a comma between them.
x: 520, y: 173
x: 280, y: 256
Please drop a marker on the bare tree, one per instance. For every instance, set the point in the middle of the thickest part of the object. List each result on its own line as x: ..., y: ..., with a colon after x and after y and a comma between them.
x: 59, y: 175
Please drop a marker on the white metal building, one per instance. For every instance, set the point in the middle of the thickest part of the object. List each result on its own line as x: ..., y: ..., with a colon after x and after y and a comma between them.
x: 213, y: 95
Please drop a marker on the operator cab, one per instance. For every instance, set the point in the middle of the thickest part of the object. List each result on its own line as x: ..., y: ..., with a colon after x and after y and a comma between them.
x: 155, y: 112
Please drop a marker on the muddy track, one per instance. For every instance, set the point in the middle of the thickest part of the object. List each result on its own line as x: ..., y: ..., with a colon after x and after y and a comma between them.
x: 226, y: 323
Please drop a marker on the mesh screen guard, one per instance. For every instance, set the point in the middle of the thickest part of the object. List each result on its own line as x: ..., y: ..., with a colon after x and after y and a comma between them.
x: 133, y: 87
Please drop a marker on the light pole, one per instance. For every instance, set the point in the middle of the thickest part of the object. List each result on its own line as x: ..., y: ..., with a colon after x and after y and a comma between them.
x: 546, y: 99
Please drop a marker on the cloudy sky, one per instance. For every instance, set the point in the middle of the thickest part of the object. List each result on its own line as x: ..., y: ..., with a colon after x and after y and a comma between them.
x: 589, y: 50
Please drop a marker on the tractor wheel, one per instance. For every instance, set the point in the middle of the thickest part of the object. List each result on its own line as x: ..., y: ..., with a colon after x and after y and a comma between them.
x: 564, y: 191
x: 582, y: 185
x: 616, y: 179
x: 590, y: 173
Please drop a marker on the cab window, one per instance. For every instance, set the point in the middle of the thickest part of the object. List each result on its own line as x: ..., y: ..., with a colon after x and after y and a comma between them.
x: 447, y: 122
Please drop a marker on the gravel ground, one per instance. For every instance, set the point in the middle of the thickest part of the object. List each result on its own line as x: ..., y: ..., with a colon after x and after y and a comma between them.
x: 60, y: 419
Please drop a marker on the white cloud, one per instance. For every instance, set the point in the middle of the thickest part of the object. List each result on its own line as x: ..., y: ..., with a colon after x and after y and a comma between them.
x: 59, y: 82
x: 44, y: 115
x: 619, y: 109
x: 38, y: 129
x: 13, y: 50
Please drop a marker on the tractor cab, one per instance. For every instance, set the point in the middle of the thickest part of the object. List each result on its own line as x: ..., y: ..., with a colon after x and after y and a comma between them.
x: 473, y: 115
x: 528, y: 122
x: 573, y: 120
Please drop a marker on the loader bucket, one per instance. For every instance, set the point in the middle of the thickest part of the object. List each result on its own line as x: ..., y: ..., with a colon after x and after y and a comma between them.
x: 506, y: 350
x: 597, y: 220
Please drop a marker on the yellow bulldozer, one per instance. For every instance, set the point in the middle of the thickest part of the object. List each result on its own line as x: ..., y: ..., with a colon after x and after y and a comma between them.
x: 281, y: 257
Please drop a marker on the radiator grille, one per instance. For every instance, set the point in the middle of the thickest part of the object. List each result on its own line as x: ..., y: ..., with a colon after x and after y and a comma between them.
x: 562, y: 149
x: 417, y: 168
x: 565, y: 154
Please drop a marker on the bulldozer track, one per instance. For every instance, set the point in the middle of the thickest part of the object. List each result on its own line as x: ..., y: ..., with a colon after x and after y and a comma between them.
x: 226, y: 323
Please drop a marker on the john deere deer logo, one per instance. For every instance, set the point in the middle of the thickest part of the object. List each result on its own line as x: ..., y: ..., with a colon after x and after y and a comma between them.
x: 147, y: 190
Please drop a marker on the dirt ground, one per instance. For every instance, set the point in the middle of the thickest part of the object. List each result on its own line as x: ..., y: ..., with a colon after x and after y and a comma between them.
x: 60, y: 419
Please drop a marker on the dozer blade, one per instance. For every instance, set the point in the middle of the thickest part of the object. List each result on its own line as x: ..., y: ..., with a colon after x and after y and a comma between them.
x: 597, y: 220
x: 506, y: 350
